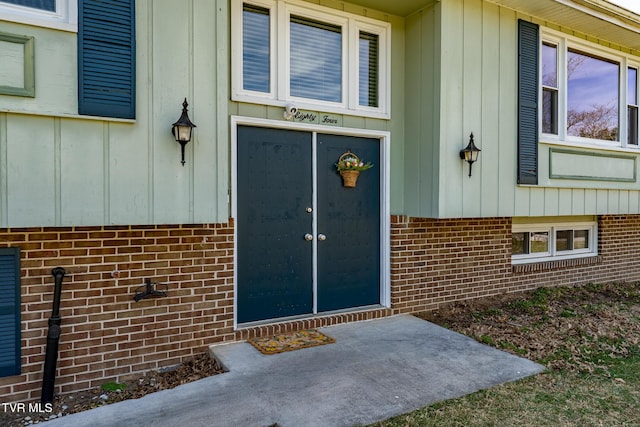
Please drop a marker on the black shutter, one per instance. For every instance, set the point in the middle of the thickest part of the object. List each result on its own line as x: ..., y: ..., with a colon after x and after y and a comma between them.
x: 528, y: 48
x: 106, y: 58
x: 9, y: 311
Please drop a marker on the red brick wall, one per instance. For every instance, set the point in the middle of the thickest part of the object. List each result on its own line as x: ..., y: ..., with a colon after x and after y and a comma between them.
x: 618, y: 246
x: 435, y: 261
x: 438, y: 261
x: 105, y: 334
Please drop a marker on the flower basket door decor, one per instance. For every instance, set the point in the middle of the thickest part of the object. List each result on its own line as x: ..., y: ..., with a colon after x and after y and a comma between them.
x: 349, y: 178
x: 349, y: 166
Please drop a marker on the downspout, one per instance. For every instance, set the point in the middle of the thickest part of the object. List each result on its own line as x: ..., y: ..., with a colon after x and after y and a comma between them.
x: 53, y: 337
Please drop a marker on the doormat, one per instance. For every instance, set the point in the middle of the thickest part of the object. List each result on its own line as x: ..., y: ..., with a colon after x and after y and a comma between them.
x: 290, y: 341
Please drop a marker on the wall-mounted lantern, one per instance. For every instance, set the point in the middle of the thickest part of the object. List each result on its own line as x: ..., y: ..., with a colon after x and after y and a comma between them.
x: 470, y: 153
x: 182, y: 129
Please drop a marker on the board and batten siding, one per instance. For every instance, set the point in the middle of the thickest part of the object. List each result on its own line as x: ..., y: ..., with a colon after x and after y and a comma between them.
x: 61, y: 169
x: 475, y: 90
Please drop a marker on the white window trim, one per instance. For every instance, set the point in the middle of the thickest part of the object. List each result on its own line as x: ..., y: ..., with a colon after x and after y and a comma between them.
x: 280, y: 11
x: 305, y: 12
x: 384, y: 65
x: 564, y: 42
x: 64, y: 18
x: 554, y: 254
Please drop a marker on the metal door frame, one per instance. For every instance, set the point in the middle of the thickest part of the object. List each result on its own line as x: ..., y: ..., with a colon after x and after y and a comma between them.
x: 385, y: 210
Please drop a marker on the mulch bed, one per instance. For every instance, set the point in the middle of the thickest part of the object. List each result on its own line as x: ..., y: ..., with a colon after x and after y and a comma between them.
x: 200, y: 366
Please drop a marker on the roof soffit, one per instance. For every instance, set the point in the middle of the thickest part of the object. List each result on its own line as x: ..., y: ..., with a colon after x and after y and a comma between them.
x: 596, y: 18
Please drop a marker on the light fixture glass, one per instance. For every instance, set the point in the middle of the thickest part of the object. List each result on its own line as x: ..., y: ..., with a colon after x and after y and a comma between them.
x: 470, y: 153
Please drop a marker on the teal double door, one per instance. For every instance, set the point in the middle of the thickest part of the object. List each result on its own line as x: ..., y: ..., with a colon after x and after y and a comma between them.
x: 305, y: 244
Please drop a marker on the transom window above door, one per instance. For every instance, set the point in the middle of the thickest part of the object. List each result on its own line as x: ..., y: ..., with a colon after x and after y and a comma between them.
x: 312, y: 56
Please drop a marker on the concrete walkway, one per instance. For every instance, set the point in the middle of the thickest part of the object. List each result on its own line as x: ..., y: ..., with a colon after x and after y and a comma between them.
x: 375, y: 370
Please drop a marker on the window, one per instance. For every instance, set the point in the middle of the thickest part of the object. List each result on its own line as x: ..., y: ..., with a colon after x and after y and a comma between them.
x: 581, y: 99
x: 632, y: 106
x: 59, y: 14
x: 311, y: 56
x: 549, y: 88
x: 256, y: 52
x: 592, y: 96
x: 543, y: 242
x: 48, y: 5
x: 315, y: 60
x: 368, y: 72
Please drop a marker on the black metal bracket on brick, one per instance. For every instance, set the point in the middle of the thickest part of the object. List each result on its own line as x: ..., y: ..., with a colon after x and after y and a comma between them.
x: 150, y: 290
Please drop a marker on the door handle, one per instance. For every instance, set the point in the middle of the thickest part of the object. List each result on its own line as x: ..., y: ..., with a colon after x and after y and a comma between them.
x: 308, y: 237
x: 322, y: 237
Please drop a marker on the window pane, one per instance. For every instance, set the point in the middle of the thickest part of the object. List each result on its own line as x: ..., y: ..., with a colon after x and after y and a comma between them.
x: 549, y: 65
x: 632, y: 87
x: 632, y: 125
x: 581, y: 239
x: 316, y: 60
x: 48, y: 5
x: 519, y: 243
x: 632, y: 108
x: 368, y: 73
x: 255, y: 49
x: 592, y: 97
x: 550, y: 111
x: 564, y: 240
x: 539, y: 242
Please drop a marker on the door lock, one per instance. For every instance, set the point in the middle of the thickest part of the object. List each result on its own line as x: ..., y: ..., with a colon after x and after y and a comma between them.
x: 322, y: 237
x: 308, y: 237
x: 309, y: 210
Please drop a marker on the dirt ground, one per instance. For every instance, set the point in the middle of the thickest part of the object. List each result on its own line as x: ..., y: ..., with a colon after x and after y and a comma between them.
x: 573, y: 328
x: 198, y: 367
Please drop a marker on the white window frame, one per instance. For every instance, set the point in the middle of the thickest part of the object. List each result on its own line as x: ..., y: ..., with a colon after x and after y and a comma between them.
x: 64, y: 18
x: 553, y: 254
x: 279, y: 95
x: 565, y: 42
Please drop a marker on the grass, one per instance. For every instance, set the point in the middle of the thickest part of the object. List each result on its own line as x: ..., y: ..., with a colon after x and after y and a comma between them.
x: 589, y: 338
x: 555, y: 398
x: 113, y: 386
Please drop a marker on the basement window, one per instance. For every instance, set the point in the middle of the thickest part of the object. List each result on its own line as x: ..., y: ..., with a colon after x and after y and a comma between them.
x: 553, y: 241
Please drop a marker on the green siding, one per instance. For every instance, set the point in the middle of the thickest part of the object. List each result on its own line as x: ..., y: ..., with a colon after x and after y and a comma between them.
x: 60, y: 169
x: 422, y: 125
x: 475, y: 88
x: 453, y: 72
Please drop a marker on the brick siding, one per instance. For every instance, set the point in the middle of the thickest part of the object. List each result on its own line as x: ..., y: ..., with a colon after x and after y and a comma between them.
x: 440, y: 261
x: 106, y: 336
x: 434, y: 261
